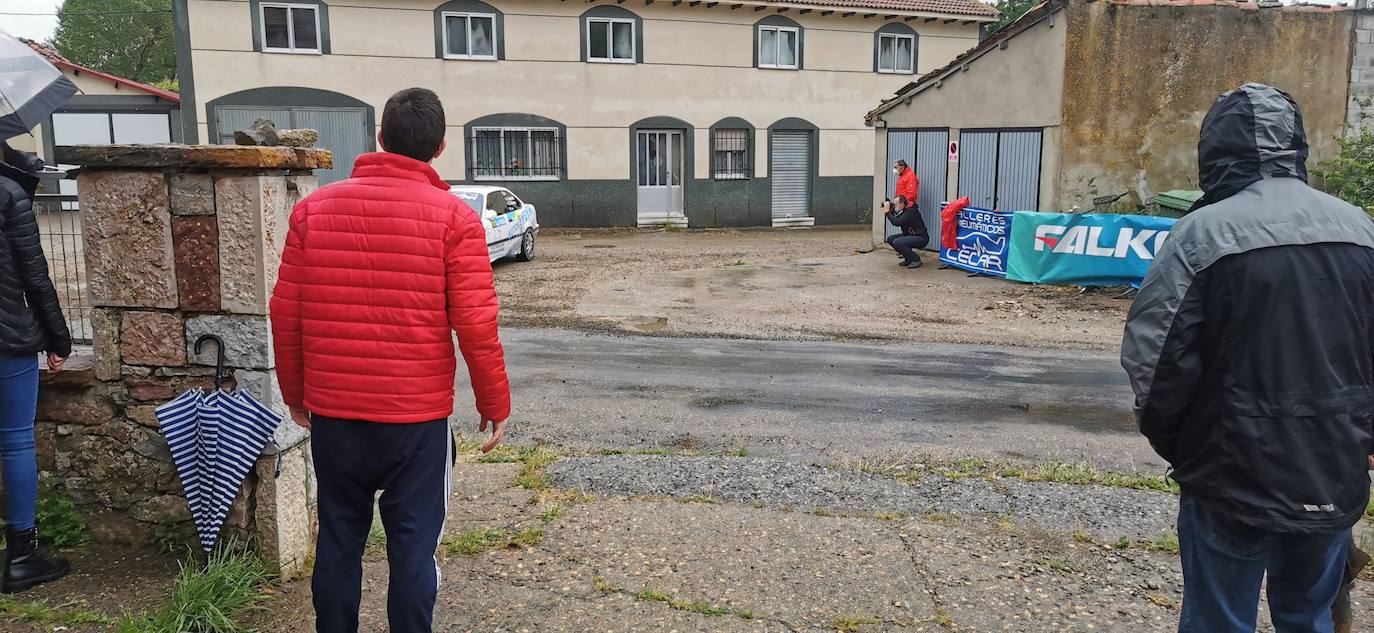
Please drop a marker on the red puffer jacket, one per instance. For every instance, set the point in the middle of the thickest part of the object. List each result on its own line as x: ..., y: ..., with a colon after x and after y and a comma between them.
x: 378, y: 271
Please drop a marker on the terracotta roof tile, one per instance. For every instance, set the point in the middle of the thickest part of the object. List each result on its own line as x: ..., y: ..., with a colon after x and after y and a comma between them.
x: 1247, y: 5
x: 953, y: 7
x: 59, y: 61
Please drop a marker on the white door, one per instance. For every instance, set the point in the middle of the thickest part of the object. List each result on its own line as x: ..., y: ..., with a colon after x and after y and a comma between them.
x: 790, y: 171
x: 659, y: 175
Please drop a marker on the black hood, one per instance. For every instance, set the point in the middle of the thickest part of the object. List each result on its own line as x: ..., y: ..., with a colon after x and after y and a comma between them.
x: 20, y: 167
x: 1251, y: 133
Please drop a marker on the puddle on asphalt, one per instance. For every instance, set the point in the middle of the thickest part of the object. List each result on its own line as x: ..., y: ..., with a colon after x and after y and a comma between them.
x: 1083, y: 417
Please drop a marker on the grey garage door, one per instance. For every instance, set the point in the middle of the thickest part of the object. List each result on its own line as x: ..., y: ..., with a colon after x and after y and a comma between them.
x: 790, y: 171
x: 1001, y: 169
x: 926, y: 152
x: 343, y: 131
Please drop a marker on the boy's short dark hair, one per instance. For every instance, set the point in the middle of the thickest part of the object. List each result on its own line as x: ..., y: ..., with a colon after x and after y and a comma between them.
x: 413, y: 124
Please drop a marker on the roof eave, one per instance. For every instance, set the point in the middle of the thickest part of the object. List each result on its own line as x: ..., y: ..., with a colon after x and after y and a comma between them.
x: 940, y: 15
x: 935, y: 78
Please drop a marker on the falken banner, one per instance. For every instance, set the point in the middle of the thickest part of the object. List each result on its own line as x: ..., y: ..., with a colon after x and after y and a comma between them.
x: 983, y: 237
x: 1099, y: 249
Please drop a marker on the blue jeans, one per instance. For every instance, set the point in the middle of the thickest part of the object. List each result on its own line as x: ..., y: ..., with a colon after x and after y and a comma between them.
x: 412, y: 465
x: 18, y: 406
x: 1225, y: 563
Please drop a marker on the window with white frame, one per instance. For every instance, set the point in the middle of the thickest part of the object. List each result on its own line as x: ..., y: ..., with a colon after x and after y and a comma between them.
x: 730, y: 154
x: 896, y: 53
x: 516, y: 154
x: 469, y: 36
x: 290, y: 28
x: 610, y: 40
x: 778, y: 46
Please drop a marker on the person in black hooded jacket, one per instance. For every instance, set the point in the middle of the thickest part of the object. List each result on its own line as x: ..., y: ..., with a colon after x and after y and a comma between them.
x: 31, y: 322
x: 1250, y: 348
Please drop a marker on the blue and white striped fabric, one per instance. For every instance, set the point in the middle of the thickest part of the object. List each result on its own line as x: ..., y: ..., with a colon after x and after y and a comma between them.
x: 215, y: 438
x: 180, y: 422
x: 239, y: 429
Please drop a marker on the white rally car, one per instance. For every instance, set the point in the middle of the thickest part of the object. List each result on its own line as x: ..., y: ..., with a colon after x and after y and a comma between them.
x: 511, y: 223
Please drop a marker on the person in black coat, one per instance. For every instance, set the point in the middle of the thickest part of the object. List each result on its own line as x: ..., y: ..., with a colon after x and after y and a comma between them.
x: 31, y: 322
x: 907, y: 217
x: 1250, y: 348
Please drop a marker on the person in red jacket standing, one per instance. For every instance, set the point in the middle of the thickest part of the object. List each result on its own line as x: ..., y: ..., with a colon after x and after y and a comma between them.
x: 908, y: 184
x: 377, y: 273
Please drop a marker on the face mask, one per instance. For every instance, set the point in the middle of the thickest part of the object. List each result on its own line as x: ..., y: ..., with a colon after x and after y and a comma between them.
x: 896, y: 170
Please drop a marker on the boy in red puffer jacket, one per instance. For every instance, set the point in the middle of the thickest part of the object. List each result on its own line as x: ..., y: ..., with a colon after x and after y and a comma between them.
x: 378, y: 271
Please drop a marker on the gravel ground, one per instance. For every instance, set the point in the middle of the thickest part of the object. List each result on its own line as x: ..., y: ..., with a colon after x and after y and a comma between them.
x: 1108, y: 513
x: 787, y: 284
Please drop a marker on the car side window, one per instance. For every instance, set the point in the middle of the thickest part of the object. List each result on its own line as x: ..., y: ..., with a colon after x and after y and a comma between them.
x: 512, y: 203
x: 496, y: 203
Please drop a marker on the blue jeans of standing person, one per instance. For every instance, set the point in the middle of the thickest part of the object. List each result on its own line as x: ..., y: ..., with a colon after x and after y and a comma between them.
x: 18, y: 406
x: 412, y: 465
x: 1225, y: 563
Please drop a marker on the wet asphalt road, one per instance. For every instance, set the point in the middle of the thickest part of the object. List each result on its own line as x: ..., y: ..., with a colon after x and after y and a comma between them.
x: 825, y: 402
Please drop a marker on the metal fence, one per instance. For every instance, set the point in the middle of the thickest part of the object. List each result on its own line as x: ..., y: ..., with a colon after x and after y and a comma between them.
x: 64, y: 244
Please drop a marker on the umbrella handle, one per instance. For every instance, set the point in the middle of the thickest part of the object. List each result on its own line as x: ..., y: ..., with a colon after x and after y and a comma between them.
x: 219, y: 356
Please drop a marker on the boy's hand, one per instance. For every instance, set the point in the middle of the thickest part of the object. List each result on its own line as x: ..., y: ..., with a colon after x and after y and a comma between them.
x: 498, y: 431
x: 301, y: 416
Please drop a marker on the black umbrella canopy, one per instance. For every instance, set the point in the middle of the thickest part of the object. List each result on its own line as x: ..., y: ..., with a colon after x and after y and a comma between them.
x: 30, y: 87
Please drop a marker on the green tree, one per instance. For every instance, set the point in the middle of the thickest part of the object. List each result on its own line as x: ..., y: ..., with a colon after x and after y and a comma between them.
x: 129, y: 38
x: 1011, y: 11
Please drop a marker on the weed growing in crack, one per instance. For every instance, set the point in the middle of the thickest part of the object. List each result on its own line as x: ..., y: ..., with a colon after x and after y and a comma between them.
x: 649, y: 594
x: 851, y: 624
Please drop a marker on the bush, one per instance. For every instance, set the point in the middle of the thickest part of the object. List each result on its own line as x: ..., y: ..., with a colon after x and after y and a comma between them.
x: 1350, y: 175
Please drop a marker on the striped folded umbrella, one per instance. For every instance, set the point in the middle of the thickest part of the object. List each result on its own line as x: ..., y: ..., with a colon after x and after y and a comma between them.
x: 236, y: 434
x: 215, y: 438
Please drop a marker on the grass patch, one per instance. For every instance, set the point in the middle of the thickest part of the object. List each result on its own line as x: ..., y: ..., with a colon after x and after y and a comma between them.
x: 1060, y: 565
x: 41, y: 613
x: 1084, y: 536
x: 701, y: 499
x: 60, y: 525
x: 552, y: 513
x: 943, y: 619
x: 528, y: 537
x: 502, y: 454
x: 649, y: 594
x: 1122, y: 543
x: 376, y: 536
x: 207, y: 601
x: 604, y: 586
x: 569, y: 497
x: 822, y: 512
x: 850, y: 624
x: 1086, y: 474
x: 1166, y: 542
x: 891, y: 517
x: 473, y: 542
x: 1162, y: 601
x: 533, y: 461
x: 674, y: 228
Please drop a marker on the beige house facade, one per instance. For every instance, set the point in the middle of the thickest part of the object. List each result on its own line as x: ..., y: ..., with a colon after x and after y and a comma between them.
x: 639, y: 112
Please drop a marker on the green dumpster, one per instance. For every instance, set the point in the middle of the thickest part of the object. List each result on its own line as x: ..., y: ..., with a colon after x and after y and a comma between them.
x: 1173, y: 204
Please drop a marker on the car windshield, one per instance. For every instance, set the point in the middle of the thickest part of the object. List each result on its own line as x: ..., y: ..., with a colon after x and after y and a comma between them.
x: 469, y: 197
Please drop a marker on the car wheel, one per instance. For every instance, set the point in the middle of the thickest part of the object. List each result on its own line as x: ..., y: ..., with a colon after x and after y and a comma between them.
x: 526, y: 247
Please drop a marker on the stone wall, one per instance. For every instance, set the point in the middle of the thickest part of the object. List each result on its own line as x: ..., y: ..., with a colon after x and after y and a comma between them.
x: 180, y: 242
x: 1140, y: 76
x: 1361, y: 107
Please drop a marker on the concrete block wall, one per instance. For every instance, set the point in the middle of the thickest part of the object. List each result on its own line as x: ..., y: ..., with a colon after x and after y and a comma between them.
x: 1361, y: 108
x: 179, y: 242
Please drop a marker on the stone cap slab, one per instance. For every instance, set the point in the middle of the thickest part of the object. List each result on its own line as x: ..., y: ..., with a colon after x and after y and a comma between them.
x: 194, y: 157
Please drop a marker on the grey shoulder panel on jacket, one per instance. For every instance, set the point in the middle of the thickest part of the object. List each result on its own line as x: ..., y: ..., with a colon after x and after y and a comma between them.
x: 1271, y: 212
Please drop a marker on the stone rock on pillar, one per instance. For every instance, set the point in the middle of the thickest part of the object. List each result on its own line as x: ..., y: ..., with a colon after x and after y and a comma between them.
x: 252, y: 212
x: 192, y: 194
x: 264, y: 386
x: 196, y: 241
x: 127, y: 221
x: 151, y: 338
x: 284, y: 512
x: 247, y: 340
x: 105, y: 328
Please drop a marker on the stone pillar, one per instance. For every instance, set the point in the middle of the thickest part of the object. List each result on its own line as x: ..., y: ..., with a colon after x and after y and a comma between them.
x: 182, y: 241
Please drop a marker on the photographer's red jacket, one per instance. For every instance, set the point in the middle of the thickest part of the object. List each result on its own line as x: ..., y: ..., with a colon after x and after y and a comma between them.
x: 378, y: 272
